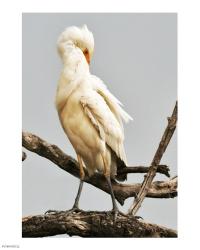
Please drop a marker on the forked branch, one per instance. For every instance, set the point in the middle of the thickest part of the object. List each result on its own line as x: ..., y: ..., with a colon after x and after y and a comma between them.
x: 165, y: 189
x: 168, y: 133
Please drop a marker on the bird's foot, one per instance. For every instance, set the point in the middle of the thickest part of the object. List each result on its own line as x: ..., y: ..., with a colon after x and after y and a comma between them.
x: 50, y: 211
x: 74, y: 209
x: 115, y: 212
x: 135, y: 216
x: 138, y: 217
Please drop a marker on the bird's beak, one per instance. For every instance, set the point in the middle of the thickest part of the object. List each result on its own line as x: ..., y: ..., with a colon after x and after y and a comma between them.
x: 87, y: 57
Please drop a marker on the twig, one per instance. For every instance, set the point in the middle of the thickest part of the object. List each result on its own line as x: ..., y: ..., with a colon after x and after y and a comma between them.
x: 122, y: 191
x: 169, y: 131
x: 91, y: 224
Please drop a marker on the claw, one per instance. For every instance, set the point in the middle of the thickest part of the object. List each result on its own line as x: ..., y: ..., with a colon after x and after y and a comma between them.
x: 72, y: 210
x: 135, y: 216
x: 138, y: 217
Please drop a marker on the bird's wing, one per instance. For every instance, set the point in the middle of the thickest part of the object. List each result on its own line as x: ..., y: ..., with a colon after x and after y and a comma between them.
x: 111, y: 100
x: 103, y: 119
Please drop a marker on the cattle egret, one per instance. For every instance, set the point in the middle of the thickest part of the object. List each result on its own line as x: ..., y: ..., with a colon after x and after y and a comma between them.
x: 89, y: 114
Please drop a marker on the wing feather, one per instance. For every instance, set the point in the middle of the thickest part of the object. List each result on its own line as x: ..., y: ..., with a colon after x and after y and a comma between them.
x: 103, y: 119
x: 111, y: 100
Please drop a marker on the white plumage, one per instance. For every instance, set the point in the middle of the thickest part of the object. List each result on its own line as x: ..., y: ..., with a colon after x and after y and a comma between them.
x: 90, y: 115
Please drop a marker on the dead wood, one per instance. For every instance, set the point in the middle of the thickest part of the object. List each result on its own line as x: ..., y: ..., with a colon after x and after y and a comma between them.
x: 33, y: 143
x: 91, y: 224
x: 145, y: 187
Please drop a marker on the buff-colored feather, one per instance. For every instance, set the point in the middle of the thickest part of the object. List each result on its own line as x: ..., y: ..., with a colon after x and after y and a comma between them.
x: 90, y: 115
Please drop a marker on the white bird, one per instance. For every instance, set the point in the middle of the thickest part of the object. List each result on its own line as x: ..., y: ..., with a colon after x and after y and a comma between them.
x: 90, y: 115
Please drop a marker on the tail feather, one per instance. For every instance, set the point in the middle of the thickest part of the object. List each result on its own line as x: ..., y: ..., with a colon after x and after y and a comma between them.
x: 120, y: 165
x: 116, y: 167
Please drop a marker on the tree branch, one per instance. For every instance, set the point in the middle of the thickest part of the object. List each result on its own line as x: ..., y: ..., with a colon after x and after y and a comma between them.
x: 122, y: 191
x: 168, y: 133
x: 91, y: 224
x: 162, y: 169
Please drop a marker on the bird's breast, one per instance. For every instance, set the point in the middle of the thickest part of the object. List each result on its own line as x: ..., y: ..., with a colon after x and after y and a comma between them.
x: 78, y: 127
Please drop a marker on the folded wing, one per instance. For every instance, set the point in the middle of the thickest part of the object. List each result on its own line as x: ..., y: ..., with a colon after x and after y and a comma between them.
x: 105, y: 121
x: 113, y: 103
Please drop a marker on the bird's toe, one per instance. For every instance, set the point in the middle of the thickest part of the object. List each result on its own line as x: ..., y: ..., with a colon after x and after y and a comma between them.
x: 74, y: 210
x: 138, y: 217
x: 50, y: 211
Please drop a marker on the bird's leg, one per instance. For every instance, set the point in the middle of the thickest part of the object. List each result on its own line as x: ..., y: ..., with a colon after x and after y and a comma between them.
x: 115, y: 209
x: 75, y: 207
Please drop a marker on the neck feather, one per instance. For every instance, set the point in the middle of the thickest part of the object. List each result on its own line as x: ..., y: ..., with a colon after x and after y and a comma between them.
x: 75, y: 69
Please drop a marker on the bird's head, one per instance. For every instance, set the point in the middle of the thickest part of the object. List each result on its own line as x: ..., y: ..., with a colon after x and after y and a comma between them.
x: 81, y: 38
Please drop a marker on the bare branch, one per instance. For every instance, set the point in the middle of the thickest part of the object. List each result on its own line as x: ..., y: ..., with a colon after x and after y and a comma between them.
x: 70, y: 165
x: 91, y: 224
x: 162, y: 169
x: 168, y: 133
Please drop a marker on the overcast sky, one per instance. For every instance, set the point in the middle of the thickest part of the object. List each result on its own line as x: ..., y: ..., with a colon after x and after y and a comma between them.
x: 136, y: 57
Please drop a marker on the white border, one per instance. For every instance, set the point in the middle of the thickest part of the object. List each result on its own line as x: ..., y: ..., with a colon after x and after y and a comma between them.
x: 10, y: 98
